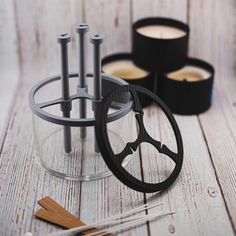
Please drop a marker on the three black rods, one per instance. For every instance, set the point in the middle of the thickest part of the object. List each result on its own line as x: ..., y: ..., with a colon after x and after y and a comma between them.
x: 96, y: 40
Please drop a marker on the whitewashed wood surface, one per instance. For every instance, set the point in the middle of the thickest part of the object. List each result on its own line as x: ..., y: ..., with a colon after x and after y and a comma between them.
x: 203, y: 197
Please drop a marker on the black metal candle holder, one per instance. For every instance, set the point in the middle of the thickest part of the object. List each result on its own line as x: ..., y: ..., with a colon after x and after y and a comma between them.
x: 108, y: 92
x: 101, y: 81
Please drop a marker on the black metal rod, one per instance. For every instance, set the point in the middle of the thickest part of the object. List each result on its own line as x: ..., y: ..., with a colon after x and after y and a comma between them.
x: 64, y: 39
x: 96, y: 40
x: 81, y: 30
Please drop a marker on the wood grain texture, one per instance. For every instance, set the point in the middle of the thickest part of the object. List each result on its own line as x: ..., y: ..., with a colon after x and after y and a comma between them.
x: 111, y: 18
x: 217, y: 45
x: 107, y: 197
x: 56, y: 214
x: 9, y: 65
x: 197, y: 163
x: 22, y: 181
x: 191, y: 187
x: 37, y: 34
x: 163, y: 8
x: 203, y: 196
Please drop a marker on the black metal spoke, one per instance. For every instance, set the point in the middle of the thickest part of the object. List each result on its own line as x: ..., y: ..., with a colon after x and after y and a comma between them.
x: 50, y: 103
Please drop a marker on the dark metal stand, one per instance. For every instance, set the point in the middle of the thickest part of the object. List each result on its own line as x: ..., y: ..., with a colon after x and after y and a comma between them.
x: 103, y: 84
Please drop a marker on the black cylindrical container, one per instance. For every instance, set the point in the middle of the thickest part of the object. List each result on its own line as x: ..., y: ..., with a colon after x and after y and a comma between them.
x: 187, y: 97
x: 164, y: 48
x: 144, y: 79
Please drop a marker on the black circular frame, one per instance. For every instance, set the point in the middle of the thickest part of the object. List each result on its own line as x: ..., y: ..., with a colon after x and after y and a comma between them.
x: 114, y: 161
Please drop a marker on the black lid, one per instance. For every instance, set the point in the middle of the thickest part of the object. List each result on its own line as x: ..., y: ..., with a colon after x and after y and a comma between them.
x: 114, y: 161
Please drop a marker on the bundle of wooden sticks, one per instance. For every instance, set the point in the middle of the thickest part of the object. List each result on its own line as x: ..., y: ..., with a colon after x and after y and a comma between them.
x: 52, y: 212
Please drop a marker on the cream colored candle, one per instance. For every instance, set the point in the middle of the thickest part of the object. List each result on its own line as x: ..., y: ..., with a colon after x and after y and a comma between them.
x: 189, y: 73
x: 124, y: 69
x: 161, y: 31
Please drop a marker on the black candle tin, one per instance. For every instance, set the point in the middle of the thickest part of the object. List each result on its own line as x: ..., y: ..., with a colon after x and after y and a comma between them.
x: 157, y: 54
x: 184, y: 97
x: 146, y: 81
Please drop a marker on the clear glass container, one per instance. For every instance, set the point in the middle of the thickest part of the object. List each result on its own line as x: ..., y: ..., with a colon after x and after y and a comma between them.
x: 83, y: 163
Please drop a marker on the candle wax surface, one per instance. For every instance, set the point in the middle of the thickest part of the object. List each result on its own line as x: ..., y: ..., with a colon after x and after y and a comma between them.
x: 161, y: 31
x: 190, y: 74
x: 124, y: 69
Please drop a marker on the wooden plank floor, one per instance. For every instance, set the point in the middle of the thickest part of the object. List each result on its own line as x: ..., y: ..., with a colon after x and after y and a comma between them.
x: 204, y: 196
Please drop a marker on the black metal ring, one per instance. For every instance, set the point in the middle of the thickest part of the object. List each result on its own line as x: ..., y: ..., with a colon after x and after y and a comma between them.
x: 37, y: 108
x: 114, y: 161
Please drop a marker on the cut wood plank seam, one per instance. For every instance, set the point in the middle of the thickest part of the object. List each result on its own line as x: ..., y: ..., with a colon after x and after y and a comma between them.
x: 215, y: 172
x: 205, y: 139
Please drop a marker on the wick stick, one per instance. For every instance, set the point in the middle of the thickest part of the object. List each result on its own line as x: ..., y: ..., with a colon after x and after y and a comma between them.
x: 132, y: 224
x: 127, y: 223
x: 87, y: 227
x: 96, y: 40
x: 64, y: 39
x: 108, y: 220
x: 81, y: 30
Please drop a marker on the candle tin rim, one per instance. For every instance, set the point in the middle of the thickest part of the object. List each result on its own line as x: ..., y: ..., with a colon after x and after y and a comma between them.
x: 146, y: 81
x: 161, y: 21
x: 194, y: 62
x: 124, y: 56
